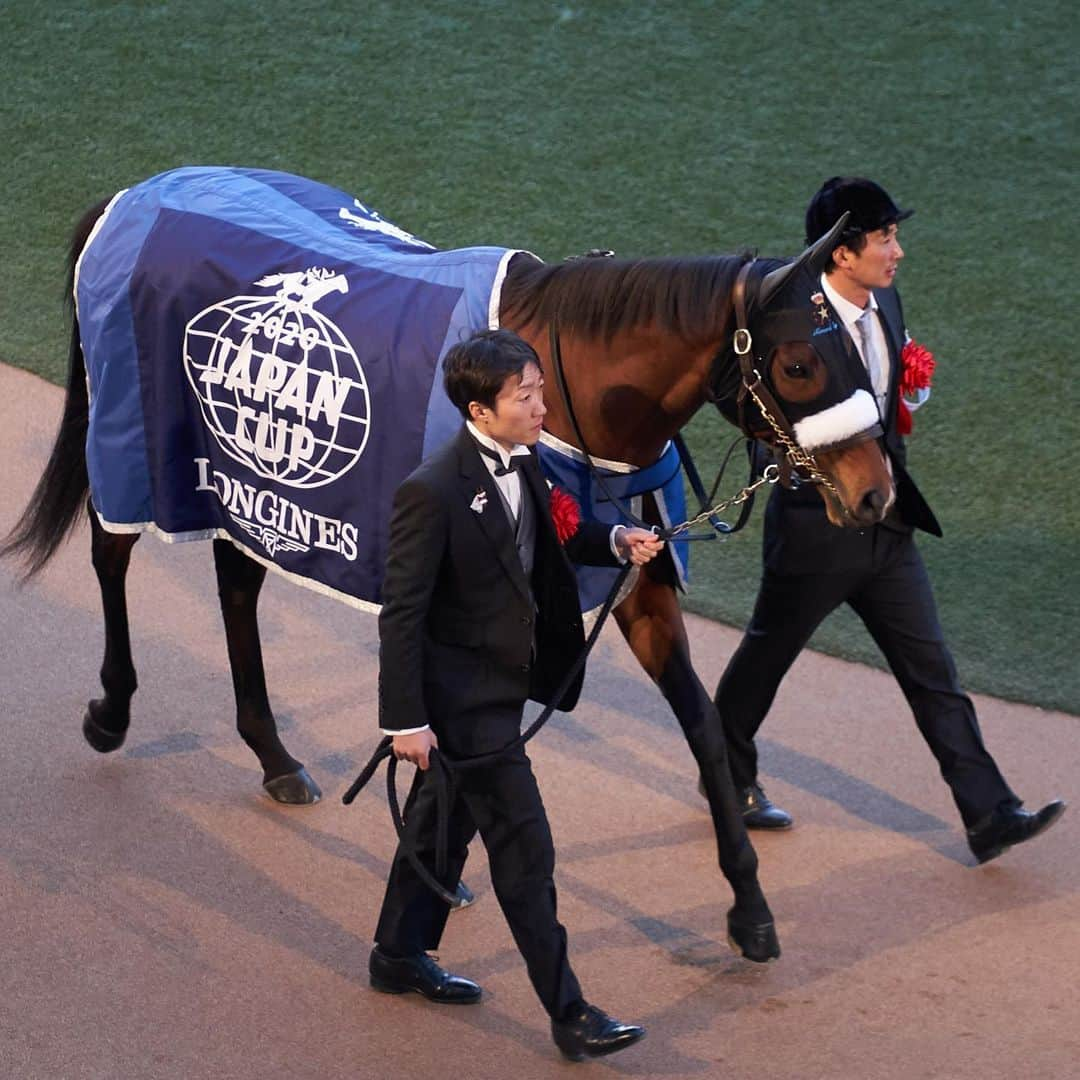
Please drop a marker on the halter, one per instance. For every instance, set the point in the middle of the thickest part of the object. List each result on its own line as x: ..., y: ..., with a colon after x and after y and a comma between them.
x: 798, y: 465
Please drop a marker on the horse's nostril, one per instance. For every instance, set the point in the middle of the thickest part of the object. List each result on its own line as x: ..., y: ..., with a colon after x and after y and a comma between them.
x: 873, y: 505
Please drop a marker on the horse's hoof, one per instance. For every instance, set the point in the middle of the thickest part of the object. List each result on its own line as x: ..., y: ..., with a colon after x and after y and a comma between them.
x: 294, y: 789
x: 756, y: 941
x: 102, y: 740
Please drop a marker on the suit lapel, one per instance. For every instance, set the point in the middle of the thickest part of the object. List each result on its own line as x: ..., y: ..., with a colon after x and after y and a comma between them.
x: 492, y: 520
x: 863, y: 376
x: 531, y: 475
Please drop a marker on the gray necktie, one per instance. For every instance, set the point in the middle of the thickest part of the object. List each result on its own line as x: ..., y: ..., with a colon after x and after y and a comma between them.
x: 875, y: 366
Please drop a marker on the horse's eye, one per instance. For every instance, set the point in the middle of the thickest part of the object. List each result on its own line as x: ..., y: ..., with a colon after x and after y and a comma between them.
x: 796, y: 371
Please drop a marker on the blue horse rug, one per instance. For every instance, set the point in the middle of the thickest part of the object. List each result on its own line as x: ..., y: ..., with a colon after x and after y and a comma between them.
x: 263, y: 355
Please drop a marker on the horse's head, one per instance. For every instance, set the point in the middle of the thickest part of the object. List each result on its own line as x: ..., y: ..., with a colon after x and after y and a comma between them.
x: 805, y: 387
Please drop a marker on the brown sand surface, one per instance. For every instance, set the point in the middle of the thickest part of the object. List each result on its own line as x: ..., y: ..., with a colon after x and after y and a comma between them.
x: 160, y: 917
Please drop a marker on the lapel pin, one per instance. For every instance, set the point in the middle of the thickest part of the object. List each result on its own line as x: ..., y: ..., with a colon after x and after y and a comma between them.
x: 479, y: 501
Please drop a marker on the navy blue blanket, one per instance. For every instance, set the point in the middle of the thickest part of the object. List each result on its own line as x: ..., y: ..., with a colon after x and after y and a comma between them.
x: 263, y: 355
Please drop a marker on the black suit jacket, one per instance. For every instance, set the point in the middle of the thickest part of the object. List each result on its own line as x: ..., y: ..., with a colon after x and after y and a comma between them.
x: 457, y: 626
x: 798, y: 537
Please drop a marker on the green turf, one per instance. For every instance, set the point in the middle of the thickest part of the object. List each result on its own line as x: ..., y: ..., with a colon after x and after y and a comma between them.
x: 651, y: 128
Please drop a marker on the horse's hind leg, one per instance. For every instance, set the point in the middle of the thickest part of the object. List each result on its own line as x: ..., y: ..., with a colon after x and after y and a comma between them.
x: 652, y: 623
x: 106, y: 721
x: 239, y: 581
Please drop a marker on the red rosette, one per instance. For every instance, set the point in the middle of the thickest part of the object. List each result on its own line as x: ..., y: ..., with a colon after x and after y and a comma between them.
x: 916, y: 367
x: 916, y: 370
x: 565, y: 513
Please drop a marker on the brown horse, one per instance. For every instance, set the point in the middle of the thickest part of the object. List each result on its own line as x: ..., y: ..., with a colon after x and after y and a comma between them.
x: 645, y: 344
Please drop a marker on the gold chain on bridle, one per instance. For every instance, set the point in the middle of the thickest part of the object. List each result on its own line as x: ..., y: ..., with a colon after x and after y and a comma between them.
x: 770, y: 475
x: 797, y: 457
x: 802, y: 463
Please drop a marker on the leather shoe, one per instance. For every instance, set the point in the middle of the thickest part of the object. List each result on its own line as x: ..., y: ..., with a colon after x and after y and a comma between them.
x: 760, y: 812
x: 1007, y: 827
x: 590, y: 1032
x: 756, y: 941
x: 400, y: 974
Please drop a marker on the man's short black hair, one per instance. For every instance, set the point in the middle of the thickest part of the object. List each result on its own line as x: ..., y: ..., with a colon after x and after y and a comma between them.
x: 476, y: 369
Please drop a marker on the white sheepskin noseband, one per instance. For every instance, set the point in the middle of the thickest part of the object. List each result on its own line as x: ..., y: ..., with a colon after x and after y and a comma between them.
x: 839, y: 422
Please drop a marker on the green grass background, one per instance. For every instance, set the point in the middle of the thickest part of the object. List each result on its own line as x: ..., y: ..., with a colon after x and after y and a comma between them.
x: 651, y: 128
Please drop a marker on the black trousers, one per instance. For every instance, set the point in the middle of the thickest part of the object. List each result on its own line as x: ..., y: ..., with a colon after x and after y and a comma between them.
x: 503, y: 802
x: 893, y: 597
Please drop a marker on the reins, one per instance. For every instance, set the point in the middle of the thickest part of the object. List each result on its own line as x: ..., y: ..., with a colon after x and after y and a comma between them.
x: 445, y: 766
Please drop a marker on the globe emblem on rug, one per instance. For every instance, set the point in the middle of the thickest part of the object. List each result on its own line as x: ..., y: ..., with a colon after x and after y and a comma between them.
x: 278, y: 383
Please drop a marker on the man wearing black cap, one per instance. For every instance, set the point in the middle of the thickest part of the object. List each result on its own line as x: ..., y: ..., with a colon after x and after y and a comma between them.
x: 812, y: 567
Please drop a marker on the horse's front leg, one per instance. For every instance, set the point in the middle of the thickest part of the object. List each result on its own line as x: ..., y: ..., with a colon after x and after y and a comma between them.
x: 652, y: 623
x: 106, y: 720
x: 239, y: 580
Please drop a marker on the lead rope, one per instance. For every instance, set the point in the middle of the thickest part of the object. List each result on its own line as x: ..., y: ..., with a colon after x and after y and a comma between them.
x: 720, y: 528
x: 446, y: 766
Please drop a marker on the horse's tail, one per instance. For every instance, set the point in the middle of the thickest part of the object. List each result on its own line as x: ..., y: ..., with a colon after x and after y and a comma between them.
x: 54, y: 506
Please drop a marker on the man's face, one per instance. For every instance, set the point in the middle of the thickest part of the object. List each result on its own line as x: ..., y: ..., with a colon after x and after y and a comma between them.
x: 875, y: 266
x: 518, y: 415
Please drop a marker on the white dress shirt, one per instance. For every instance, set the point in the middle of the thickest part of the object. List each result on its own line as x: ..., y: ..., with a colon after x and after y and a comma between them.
x: 509, y: 483
x: 849, y: 314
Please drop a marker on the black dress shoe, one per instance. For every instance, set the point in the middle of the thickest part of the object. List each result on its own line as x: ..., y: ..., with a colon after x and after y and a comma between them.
x: 1005, y: 828
x: 756, y: 940
x: 759, y: 812
x: 464, y: 897
x: 400, y: 974
x: 590, y: 1032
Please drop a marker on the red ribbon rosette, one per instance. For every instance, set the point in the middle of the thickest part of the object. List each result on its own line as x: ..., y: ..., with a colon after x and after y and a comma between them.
x: 565, y: 513
x: 916, y: 371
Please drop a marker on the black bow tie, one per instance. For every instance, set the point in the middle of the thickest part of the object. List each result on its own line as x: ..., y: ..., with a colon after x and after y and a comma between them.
x: 516, y: 460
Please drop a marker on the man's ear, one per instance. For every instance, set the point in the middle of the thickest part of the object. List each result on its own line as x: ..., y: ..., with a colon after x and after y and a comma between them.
x: 477, y: 411
x: 841, y: 255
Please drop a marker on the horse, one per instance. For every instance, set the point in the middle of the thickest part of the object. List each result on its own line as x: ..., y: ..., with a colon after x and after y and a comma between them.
x: 644, y: 343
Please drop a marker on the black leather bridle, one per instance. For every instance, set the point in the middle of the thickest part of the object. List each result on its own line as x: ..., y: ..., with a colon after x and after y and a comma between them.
x: 797, y: 466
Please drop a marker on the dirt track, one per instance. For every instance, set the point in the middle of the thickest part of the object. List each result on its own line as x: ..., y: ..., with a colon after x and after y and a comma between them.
x: 161, y: 918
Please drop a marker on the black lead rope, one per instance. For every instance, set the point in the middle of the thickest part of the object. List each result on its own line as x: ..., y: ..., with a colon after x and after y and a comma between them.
x: 445, y: 766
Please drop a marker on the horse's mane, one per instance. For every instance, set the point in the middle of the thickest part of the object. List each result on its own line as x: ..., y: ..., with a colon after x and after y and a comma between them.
x: 597, y: 297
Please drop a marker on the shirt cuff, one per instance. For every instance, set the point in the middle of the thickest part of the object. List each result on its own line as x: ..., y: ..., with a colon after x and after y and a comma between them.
x: 404, y: 731
x: 614, y: 548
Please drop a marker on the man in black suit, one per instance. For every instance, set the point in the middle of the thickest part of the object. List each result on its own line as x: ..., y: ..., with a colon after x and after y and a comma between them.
x: 480, y: 612
x: 812, y: 567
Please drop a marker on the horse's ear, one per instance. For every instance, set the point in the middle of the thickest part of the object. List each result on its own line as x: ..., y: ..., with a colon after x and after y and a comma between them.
x: 813, y: 258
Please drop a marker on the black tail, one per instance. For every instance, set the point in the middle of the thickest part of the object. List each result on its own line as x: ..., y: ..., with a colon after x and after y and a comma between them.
x: 60, y: 493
